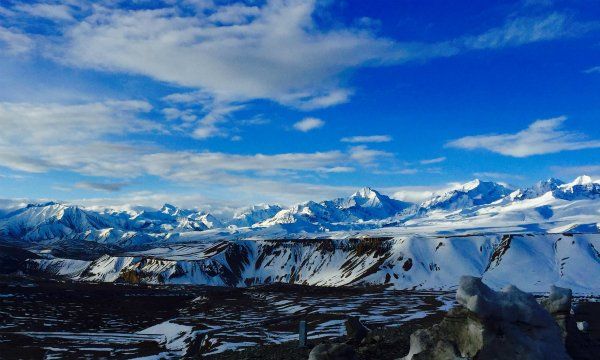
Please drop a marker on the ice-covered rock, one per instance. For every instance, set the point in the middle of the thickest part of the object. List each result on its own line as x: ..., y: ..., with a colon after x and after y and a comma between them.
x: 583, y: 326
x: 508, y: 324
x: 559, y: 300
x: 510, y: 304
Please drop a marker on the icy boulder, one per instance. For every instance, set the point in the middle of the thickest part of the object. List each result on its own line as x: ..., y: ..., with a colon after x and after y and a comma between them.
x: 559, y: 300
x: 510, y: 304
x: 508, y: 324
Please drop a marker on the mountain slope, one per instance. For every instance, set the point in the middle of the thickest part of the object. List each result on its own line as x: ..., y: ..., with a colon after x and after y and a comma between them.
x: 364, y: 205
x: 368, y: 204
x: 249, y: 216
x: 540, y: 188
x: 533, y: 262
x: 473, y: 193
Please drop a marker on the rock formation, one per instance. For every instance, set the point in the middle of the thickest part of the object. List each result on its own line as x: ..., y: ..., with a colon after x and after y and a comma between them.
x: 509, y: 324
x: 355, y: 330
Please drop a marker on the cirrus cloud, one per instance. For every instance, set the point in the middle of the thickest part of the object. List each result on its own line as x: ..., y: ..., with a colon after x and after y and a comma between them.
x: 367, y: 139
x: 541, y: 137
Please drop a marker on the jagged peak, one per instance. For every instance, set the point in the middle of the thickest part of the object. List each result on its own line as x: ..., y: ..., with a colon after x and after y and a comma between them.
x: 553, y: 180
x: 254, y: 208
x: 168, y: 208
x: 471, y: 185
x: 366, y: 192
x: 44, y: 204
x: 580, y: 180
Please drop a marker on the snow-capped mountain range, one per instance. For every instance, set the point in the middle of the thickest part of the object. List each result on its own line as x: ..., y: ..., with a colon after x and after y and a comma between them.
x: 534, y: 237
x: 477, y: 206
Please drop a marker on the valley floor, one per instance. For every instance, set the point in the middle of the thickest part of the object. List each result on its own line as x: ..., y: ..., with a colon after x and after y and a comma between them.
x: 45, y: 318
x: 55, y: 319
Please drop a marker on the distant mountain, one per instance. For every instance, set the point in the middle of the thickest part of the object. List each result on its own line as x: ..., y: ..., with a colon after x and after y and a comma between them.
x: 364, y: 205
x: 540, y: 188
x: 249, y: 216
x: 368, y: 204
x: 547, y: 206
x: 473, y: 193
x: 306, y: 216
x: 49, y: 221
x: 581, y: 188
x: 171, y: 218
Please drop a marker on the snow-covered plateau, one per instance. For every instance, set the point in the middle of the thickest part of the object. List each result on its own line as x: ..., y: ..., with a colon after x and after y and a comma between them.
x: 533, y: 237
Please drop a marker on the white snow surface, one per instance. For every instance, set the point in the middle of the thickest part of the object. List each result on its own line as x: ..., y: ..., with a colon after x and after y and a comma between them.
x: 532, y: 262
x: 535, y: 237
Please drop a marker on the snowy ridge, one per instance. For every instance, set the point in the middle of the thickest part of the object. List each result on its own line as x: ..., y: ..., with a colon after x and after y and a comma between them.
x: 532, y: 262
x: 474, y: 193
x: 254, y: 214
x: 549, y: 206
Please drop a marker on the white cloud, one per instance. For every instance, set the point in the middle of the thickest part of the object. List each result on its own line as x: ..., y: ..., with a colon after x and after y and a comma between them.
x: 14, y: 41
x: 213, y: 166
x: 592, y: 170
x: 497, y: 175
x: 593, y: 70
x: 273, y: 52
x: 231, y: 54
x: 101, y: 186
x: 433, y: 161
x: 59, y: 123
x: 234, y: 14
x: 525, y: 30
x: 418, y: 194
x: 366, y: 156
x: 79, y: 137
x: 47, y: 11
x: 228, y: 198
x: 308, y: 124
x: 367, y: 139
x: 88, y: 139
x: 541, y: 137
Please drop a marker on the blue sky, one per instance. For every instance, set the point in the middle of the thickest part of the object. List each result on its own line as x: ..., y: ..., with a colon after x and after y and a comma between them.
x: 216, y: 104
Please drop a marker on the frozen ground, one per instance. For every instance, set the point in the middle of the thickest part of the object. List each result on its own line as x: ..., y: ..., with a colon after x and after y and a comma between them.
x: 47, y: 319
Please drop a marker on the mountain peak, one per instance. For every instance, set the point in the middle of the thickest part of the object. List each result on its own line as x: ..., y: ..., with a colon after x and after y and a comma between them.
x: 473, y: 193
x: 581, y: 180
x: 48, y: 203
x: 471, y: 185
x: 580, y: 188
x: 553, y: 180
x: 366, y: 192
x: 169, y: 209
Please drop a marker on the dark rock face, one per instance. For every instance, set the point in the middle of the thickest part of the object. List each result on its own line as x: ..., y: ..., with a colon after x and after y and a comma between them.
x: 509, y: 324
x: 355, y: 330
x: 13, y: 259
x: 332, y: 352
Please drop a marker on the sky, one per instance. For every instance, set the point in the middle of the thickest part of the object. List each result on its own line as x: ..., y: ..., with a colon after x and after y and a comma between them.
x: 219, y: 104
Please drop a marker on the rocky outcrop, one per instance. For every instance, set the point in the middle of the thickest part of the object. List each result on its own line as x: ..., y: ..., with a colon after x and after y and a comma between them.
x: 509, y: 324
x: 558, y: 304
x: 405, y: 262
x: 355, y: 330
